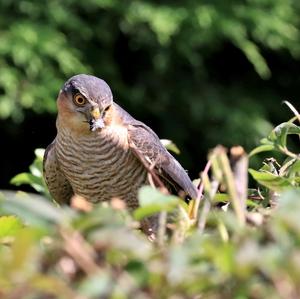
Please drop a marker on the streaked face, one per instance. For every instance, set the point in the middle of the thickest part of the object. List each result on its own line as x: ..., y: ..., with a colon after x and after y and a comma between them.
x: 84, y: 102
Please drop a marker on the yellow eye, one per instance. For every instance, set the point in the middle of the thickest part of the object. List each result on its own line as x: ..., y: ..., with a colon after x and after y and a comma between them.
x: 79, y: 99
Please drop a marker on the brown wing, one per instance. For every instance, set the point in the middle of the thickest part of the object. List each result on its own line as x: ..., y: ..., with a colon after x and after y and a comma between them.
x: 59, y: 187
x: 147, y: 144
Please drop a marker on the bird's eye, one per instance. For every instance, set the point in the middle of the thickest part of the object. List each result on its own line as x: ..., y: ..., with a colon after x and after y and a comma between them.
x: 79, y: 99
x: 107, y: 108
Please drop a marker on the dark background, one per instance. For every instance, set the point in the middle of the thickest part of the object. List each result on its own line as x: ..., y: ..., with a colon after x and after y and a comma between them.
x: 201, y: 74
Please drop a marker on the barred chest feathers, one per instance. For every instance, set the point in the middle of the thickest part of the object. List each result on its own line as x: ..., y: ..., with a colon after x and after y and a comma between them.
x: 100, y: 165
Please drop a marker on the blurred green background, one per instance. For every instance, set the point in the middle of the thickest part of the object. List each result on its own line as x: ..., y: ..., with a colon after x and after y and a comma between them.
x: 198, y: 72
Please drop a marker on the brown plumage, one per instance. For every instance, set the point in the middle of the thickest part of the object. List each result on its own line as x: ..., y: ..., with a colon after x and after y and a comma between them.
x: 98, y: 148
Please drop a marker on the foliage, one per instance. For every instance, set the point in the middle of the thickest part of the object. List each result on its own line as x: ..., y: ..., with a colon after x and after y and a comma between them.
x: 278, y: 175
x: 35, y: 177
x: 168, y: 58
x: 98, y: 255
x: 95, y: 252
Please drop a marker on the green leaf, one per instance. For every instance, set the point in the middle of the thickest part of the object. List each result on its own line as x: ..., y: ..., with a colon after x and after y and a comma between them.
x: 34, y: 178
x: 22, y: 178
x: 153, y: 201
x: 277, y: 139
x: 37, y: 212
x: 170, y: 145
x: 270, y: 180
x: 295, y: 168
x: 96, y: 285
x: 221, y: 197
x: 28, y: 179
x: 279, y: 134
x: 262, y: 148
x: 39, y: 153
x: 9, y: 226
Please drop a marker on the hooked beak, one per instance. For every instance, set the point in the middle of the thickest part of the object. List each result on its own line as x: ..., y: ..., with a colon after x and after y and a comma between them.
x: 96, y: 122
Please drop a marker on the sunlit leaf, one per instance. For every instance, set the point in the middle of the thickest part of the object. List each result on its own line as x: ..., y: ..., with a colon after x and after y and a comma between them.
x: 270, y: 180
x: 96, y: 286
x: 279, y: 134
x: 295, y: 168
x: 153, y: 201
x: 9, y: 226
x: 33, y: 211
x: 170, y: 145
x: 35, y: 177
x: 262, y: 148
x: 29, y: 179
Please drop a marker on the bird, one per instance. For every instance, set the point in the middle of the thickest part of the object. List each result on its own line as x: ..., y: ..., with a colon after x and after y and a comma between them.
x: 101, y: 152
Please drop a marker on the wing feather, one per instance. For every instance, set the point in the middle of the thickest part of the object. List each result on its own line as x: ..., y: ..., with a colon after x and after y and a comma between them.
x: 59, y: 187
x: 147, y: 144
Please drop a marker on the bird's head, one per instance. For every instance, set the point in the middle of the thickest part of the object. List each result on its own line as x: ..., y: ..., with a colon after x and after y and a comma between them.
x: 85, y: 103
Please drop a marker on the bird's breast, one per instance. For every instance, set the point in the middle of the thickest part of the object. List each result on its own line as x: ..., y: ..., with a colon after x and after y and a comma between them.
x: 100, y: 165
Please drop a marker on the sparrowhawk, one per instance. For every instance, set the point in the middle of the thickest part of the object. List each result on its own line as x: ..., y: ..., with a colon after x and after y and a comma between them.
x: 100, y: 150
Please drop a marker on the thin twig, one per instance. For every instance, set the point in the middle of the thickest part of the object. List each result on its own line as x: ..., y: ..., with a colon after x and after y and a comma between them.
x: 239, y: 161
x: 162, y: 222
x: 82, y: 253
x: 212, y: 189
x: 230, y: 183
x: 201, y: 186
x: 193, y: 212
x: 203, y: 215
x: 293, y: 109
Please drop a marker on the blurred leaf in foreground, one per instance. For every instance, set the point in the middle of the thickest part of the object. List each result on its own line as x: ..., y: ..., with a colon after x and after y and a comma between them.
x: 9, y: 226
x: 153, y: 201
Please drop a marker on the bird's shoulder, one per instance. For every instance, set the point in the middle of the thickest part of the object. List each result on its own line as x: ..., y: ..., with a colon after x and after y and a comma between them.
x: 147, y: 146
x: 142, y: 136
